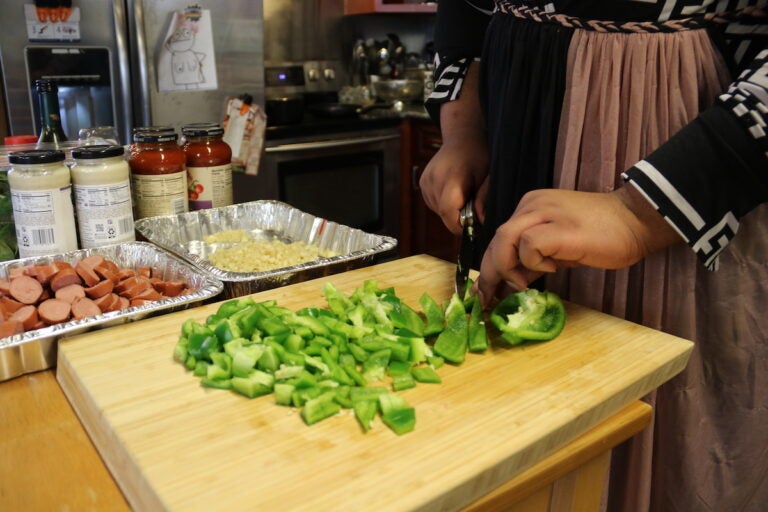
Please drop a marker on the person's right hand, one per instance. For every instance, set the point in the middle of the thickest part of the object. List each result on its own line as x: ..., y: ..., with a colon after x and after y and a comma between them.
x: 456, y: 173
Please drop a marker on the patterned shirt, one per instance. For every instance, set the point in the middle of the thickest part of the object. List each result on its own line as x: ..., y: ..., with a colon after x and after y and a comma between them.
x: 693, y: 180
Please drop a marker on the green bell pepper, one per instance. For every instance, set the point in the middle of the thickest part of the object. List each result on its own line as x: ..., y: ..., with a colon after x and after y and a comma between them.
x: 529, y: 315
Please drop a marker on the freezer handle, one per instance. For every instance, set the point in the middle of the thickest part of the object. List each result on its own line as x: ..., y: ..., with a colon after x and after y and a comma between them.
x: 124, y: 68
x: 142, y: 97
x: 329, y: 144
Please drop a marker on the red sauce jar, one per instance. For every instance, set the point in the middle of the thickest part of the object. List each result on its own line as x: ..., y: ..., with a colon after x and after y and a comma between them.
x: 209, y: 166
x: 158, y: 174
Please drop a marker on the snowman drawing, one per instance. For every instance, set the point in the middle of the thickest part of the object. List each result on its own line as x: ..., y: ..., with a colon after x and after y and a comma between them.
x: 186, y: 64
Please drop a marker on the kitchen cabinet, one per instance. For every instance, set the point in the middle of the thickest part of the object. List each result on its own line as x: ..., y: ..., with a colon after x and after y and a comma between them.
x: 387, y: 6
x: 421, y: 230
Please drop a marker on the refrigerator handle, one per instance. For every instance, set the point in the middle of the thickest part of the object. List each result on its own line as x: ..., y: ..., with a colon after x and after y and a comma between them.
x: 124, y: 69
x: 142, y: 94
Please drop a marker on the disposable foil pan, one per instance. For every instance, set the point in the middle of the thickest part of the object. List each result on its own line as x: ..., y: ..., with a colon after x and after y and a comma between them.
x: 184, y: 235
x: 33, y: 351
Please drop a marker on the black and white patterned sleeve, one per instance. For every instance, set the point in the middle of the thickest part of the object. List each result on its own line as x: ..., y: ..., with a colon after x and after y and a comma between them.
x: 715, y: 170
x: 459, y: 32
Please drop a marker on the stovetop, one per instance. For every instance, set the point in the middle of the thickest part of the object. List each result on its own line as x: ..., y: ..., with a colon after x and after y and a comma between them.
x: 312, y: 125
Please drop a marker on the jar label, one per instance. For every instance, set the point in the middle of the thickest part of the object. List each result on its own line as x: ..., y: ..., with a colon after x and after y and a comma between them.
x: 45, y: 221
x: 159, y: 194
x: 210, y: 187
x: 104, y: 214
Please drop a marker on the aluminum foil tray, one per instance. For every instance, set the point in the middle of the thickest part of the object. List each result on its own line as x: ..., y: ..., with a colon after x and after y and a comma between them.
x: 33, y: 351
x: 184, y: 235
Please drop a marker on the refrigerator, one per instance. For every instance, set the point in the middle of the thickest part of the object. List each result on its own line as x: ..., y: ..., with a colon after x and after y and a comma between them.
x: 128, y: 63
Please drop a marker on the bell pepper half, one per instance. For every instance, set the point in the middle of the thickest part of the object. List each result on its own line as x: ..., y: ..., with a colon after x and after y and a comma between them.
x: 530, y: 315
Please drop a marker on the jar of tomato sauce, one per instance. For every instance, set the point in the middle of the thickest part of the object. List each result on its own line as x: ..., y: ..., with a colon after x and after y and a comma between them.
x: 158, y: 174
x: 209, y: 166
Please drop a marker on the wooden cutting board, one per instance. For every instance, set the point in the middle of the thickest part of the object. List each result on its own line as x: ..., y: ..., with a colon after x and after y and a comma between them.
x: 172, y: 444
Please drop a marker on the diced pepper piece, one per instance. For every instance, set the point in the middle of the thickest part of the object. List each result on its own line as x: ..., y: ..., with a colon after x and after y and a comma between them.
x: 375, y: 366
x: 365, y: 412
x: 478, y: 335
x: 216, y: 383
x: 283, y: 392
x: 401, y: 382
x: 435, y: 361
x: 202, y: 344
x: 397, y: 414
x: 319, y: 408
x: 337, y: 301
x: 367, y: 393
x: 252, y: 386
x: 529, y: 315
x: 452, y: 342
x: 433, y: 313
x: 426, y: 375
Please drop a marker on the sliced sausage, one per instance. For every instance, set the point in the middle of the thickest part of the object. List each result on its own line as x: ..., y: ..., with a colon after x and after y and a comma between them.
x: 100, y: 289
x: 124, y: 303
x: 26, y: 290
x: 148, y: 294
x: 125, y: 273
x: 27, y: 315
x: 45, y: 273
x: 173, y: 288
x: 16, y: 272
x: 144, y: 271
x: 64, y: 277
x: 54, y: 311
x: 140, y: 302
x: 93, y: 261
x: 87, y: 274
x: 10, y: 327
x: 83, y: 308
x: 10, y: 305
x: 106, y: 273
x: 106, y: 301
x: 70, y: 293
x: 138, y: 282
x: 5, y: 287
x: 61, y: 265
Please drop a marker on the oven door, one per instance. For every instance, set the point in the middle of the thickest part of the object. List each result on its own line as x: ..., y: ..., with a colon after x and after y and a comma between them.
x: 350, y: 178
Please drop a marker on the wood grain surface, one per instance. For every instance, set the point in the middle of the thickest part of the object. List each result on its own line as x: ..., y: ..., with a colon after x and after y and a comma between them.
x: 171, y: 444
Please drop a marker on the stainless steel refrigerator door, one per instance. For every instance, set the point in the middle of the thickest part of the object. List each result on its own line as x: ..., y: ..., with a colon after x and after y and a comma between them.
x: 237, y: 27
x: 102, y: 25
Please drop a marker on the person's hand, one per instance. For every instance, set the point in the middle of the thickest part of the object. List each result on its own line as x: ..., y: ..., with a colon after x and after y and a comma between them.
x: 456, y: 172
x: 558, y: 228
x: 459, y: 169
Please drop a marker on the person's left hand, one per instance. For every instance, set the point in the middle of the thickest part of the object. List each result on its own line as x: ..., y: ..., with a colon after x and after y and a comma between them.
x: 560, y: 228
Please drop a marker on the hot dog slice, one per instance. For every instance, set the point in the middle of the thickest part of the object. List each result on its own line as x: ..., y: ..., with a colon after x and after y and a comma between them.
x: 64, y: 277
x: 27, y: 315
x: 70, y: 293
x: 87, y: 274
x: 54, y: 311
x: 106, y: 301
x: 10, y: 327
x: 10, y: 305
x: 173, y: 288
x: 93, y: 261
x: 100, y: 289
x: 5, y: 287
x: 26, y: 290
x: 83, y: 308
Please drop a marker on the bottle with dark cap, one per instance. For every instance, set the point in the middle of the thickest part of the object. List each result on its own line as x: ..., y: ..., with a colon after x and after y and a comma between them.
x: 51, y: 131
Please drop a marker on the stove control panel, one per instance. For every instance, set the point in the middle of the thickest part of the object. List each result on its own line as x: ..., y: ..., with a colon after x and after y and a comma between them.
x: 301, y: 77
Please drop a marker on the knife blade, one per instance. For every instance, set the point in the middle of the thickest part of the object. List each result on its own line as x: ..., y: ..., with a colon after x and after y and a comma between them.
x: 467, y: 221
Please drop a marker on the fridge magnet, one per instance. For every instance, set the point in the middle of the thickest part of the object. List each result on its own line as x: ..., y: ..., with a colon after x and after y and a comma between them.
x: 58, y: 22
x: 187, y: 59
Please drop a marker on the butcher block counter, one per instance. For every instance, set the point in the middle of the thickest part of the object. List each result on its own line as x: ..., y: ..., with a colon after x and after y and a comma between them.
x: 531, y: 425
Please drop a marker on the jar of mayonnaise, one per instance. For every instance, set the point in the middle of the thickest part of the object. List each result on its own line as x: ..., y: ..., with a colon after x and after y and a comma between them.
x: 41, y: 194
x: 102, y: 182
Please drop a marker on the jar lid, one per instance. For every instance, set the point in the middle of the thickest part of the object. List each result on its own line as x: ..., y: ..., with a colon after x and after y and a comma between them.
x: 97, y: 151
x: 156, y: 136
x: 202, y: 129
x: 153, y: 129
x: 36, y: 156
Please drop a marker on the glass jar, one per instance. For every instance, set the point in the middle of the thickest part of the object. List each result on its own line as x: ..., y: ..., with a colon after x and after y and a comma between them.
x: 209, y: 166
x: 101, y: 179
x: 158, y: 174
x: 41, y: 193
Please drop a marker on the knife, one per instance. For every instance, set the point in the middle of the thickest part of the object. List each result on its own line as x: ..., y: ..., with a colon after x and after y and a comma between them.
x: 467, y: 221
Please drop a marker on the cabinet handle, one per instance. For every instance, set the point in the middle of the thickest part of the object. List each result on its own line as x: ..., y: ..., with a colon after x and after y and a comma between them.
x: 415, y: 177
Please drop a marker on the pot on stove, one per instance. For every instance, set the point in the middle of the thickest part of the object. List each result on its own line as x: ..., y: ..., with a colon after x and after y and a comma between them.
x: 282, y: 110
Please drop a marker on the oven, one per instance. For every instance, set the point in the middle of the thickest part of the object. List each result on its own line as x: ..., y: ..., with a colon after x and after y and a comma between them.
x: 346, y: 170
x: 349, y: 177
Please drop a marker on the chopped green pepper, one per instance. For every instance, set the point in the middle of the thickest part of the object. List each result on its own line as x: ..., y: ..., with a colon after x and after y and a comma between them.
x: 452, y: 342
x: 529, y: 315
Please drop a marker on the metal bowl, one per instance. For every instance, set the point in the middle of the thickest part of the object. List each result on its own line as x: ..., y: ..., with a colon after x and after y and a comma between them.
x: 406, y: 90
